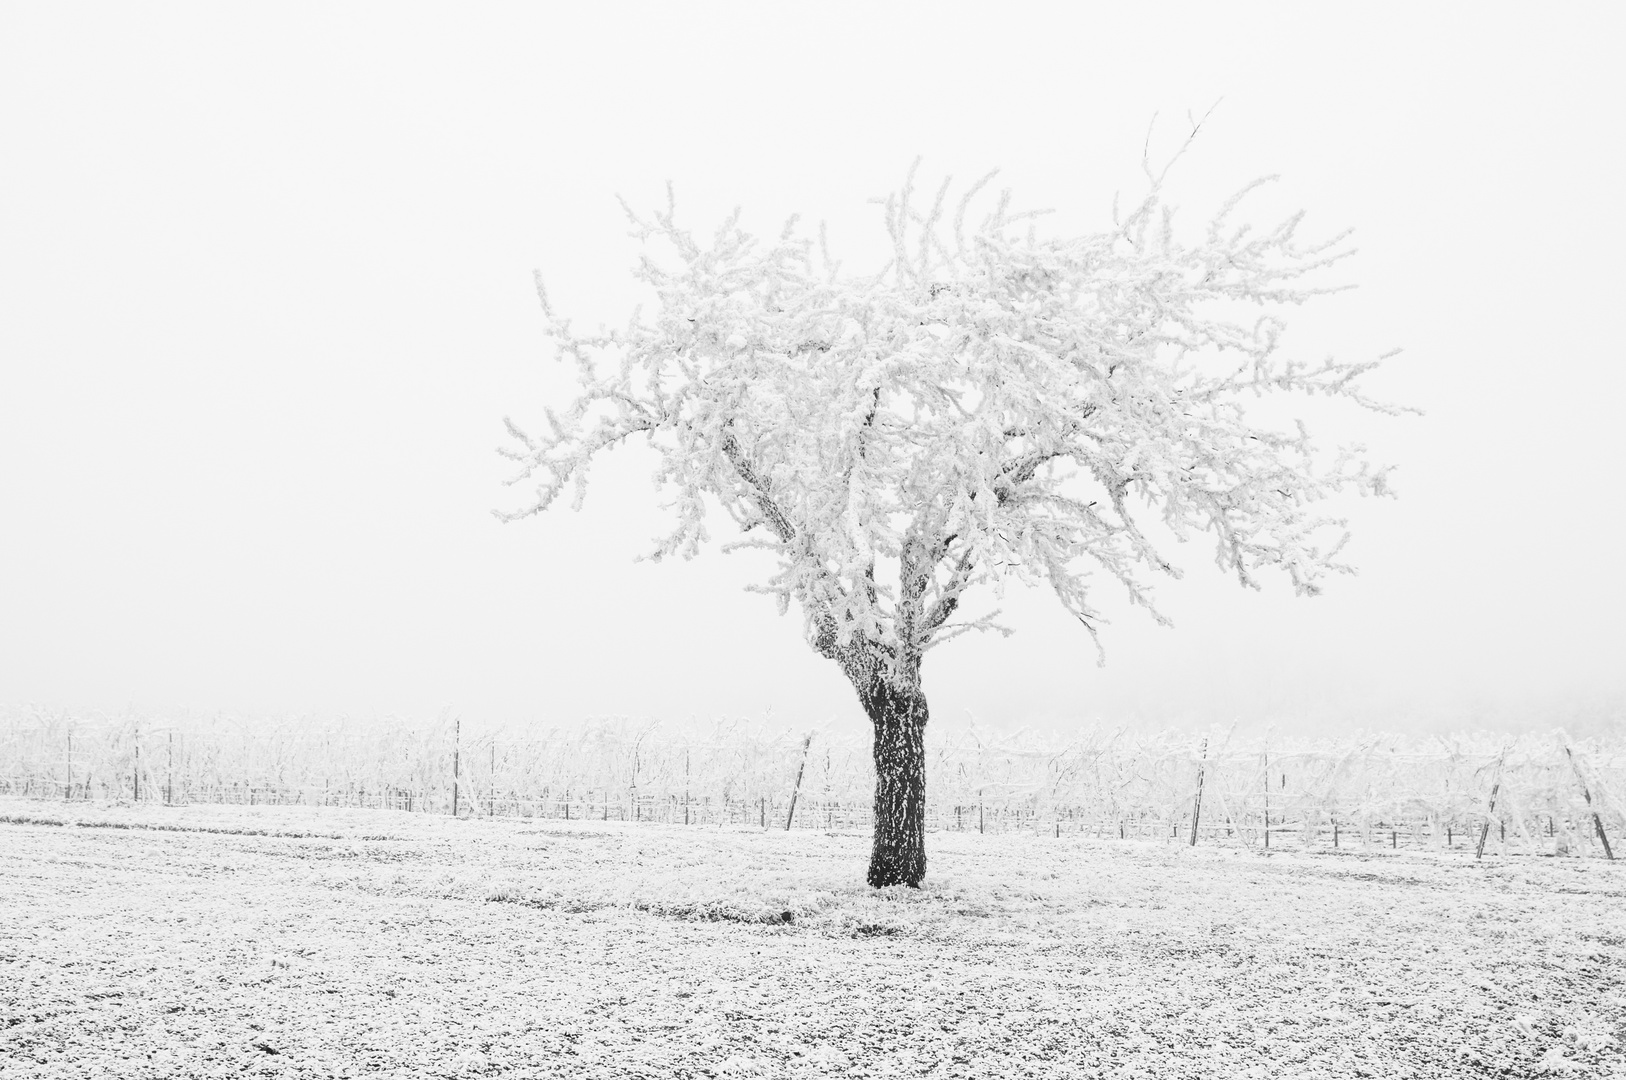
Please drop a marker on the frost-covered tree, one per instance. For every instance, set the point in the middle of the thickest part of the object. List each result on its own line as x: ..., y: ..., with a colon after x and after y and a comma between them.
x: 994, y: 404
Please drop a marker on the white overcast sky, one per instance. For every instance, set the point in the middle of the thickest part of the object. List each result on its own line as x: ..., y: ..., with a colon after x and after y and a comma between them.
x: 265, y: 297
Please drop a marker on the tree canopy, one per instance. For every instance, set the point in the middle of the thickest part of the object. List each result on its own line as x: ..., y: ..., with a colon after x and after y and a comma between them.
x: 993, y: 404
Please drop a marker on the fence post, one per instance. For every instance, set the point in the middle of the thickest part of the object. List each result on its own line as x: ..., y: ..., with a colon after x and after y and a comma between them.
x: 807, y: 742
x: 169, y: 778
x: 1265, y: 755
x: 67, y: 790
x: 457, y: 751
x: 1597, y: 820
x: 1197, y: 807
x: 1496, y: 785
x: 136, y: 773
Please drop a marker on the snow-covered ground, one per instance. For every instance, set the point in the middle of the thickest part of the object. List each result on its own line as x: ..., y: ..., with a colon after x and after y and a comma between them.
x: 293, y: 942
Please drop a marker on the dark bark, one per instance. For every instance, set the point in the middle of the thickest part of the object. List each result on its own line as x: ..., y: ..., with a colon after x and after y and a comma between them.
x: 899, y: 719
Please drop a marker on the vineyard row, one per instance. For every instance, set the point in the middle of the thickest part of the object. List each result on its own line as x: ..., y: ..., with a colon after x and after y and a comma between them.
x: 1537, y: 792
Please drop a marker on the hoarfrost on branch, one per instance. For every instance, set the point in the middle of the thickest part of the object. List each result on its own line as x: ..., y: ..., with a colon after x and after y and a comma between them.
x: 993, y: 404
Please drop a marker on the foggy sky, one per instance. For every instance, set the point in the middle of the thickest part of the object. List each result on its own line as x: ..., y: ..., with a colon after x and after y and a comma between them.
x: 267, y: 296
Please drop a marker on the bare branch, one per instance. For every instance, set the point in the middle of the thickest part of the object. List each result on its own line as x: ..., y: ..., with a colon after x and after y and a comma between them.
x: 776, y: 519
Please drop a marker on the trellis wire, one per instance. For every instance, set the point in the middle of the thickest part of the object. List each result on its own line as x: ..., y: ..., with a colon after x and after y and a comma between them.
x: 1551, y: 794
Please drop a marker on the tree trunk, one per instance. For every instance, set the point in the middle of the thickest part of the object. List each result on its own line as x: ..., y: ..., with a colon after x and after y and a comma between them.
x: 899, y: 718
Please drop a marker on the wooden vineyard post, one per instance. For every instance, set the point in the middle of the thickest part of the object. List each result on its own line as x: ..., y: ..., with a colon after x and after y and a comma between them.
x: 457, y: 759
x: 807, y: 742
x: 686, y: 787
x: 1197, y: 807
x: 1496, y: 785
x: 1266, y: 756
x: 493, y: 777
x: 1586, y: 793
x: 135, y: 775
x: 169, y: 777
x: 67, y: 790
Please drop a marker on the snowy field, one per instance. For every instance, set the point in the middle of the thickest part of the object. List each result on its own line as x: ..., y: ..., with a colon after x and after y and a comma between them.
x: 288, y: 942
